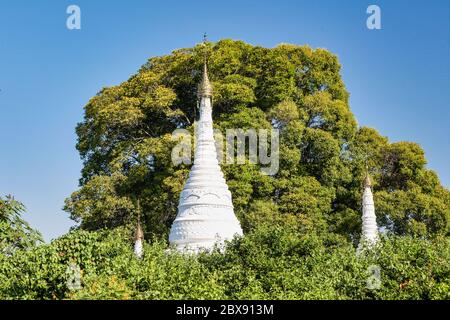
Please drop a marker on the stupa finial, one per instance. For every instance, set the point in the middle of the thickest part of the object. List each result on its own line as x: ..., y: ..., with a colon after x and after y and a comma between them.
x: 139, y: 234
x: 205, y: 87
x: 367, y: 179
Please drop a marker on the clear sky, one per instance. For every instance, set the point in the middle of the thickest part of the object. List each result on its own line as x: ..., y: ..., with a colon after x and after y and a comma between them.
x: 398, y: 77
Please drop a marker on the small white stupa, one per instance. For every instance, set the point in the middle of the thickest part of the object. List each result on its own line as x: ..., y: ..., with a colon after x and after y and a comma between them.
x: 369, y: 235
x: 138, y: 239
x: 205, y: 210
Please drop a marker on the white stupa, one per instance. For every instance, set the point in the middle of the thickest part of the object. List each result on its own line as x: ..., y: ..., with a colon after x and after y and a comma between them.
x: 205, y: 210
x: 138, y: 239
x: 369, y: 235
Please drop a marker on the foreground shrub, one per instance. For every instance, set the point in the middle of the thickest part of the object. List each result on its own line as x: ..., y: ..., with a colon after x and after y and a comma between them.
x: 269, y: 263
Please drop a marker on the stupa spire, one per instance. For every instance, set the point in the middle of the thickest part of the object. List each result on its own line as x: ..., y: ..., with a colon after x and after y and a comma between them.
x: 205, y: 210
x: 369, y: 234
x: 367, y: 180
x: 205, y: 88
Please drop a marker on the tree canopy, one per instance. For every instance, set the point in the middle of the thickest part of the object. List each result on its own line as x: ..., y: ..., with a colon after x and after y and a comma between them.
x: 125, y: 143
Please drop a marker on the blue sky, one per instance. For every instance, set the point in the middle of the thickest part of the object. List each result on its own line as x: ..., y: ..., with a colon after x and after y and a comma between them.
x: 398, y: 77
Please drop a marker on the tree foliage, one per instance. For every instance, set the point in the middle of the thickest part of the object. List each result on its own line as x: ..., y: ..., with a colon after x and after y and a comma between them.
x: 270, y: 262
x: 125, y: 143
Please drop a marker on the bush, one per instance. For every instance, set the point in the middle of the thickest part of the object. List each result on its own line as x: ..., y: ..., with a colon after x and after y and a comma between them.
x: 268, y: 263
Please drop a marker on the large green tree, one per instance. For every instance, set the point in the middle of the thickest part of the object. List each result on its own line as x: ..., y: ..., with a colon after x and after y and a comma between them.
x: 125, y: 143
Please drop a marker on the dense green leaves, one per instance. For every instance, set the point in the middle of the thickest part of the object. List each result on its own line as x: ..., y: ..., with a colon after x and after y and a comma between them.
x: 125, y: 143
x: 271, y: 262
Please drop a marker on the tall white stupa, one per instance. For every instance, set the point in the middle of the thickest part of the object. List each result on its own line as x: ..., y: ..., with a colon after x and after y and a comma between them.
x: 205, y: 210
x: 369, y: 235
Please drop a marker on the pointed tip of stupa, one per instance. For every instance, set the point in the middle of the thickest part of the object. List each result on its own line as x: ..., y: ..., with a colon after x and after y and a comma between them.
x: 139, y: 234
x: 205, y: 87
x: 367, y: 181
